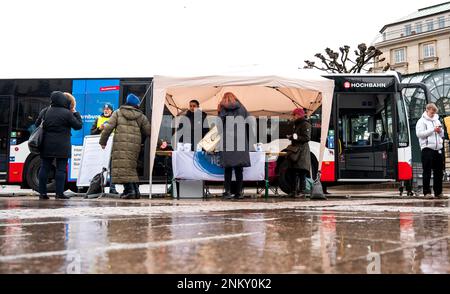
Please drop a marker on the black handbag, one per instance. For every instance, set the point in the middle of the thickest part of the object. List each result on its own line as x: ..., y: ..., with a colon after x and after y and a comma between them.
x: 36, y: 137
x: 293, y: 153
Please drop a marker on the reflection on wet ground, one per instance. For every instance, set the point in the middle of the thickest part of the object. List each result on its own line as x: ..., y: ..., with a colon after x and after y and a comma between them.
x: 164, y: 236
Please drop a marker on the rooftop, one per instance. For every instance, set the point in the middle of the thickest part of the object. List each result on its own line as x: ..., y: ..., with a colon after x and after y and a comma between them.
x: 420, y: 13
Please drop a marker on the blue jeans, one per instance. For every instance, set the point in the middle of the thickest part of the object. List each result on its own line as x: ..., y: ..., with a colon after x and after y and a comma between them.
x: 60, y: 176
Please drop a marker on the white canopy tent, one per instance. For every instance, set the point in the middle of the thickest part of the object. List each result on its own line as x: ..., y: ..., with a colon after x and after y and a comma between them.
x: 261, y: 93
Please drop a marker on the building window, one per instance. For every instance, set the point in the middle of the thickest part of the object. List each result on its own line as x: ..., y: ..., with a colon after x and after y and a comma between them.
x: 418, y: 27
x: 399, y: 55
x: 408, y: 30
x: 430, y: 25
x: 384, y: 36
x: 441, y: 22
x: 429, y: 50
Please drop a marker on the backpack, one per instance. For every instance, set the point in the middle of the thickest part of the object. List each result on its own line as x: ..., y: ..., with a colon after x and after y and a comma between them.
x: 97, y: 186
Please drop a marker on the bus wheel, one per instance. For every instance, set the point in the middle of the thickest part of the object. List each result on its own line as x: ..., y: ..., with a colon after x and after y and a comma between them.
x: 285, y: 178
x: 32, y: 175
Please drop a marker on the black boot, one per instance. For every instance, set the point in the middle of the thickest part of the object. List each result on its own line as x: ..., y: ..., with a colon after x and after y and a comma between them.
x: 129, y: 192
x: 301, y: 187
x: 62, y: 197
x: 227, y: 193
x: 239, y: 194
x: 294, y: 186
x: 136, y: 191
x: 112, y: 189
x: 126, y: 190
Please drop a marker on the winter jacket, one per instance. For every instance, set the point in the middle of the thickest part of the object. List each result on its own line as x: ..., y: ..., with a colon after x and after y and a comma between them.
x: 195, y: 122
x: 58, y: 122
x: 231, y: 157
x: 130, y: 126
x: 428, y: 138
x: 299, y: 155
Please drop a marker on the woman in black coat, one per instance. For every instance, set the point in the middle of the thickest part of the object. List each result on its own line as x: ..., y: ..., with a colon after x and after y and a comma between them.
x: 59, y: 118
x: 234, y: 156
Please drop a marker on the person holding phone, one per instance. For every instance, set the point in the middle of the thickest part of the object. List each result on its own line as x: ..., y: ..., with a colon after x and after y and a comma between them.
x: 430, y: 133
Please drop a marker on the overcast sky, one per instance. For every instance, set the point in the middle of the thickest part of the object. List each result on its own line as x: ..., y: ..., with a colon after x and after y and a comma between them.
x: 93, y: 38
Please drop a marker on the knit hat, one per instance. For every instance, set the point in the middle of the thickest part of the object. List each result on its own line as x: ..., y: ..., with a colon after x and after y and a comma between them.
x: 108, y: 105
x: 133, y: 100
x: 299, y: 111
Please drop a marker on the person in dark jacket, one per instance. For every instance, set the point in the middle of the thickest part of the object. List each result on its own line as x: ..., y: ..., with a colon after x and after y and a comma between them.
x: 98, y: 126
x: 59, y: 118
x: 197, y: 119
x: 130, y: 126
x: 298, y: 152
x: 233, y: 156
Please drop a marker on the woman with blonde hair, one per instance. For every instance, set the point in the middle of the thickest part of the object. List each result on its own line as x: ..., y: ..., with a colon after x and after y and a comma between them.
x: 232, y: 157
x: 72, y: 101
x: 58, y: 120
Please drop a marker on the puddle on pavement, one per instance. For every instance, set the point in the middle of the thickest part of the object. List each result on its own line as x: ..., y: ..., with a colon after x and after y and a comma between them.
x: 235, y: 241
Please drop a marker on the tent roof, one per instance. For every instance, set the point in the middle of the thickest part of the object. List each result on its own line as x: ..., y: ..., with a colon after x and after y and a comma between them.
x: 275, y: 93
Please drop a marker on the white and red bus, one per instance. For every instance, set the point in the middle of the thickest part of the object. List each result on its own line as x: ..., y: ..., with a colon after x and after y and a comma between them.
x: 368, y: 142
x: 369, y: 135
x: 21, y: 100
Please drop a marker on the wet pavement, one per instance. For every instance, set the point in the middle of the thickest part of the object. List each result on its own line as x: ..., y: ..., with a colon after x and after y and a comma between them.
x: 213, y: 236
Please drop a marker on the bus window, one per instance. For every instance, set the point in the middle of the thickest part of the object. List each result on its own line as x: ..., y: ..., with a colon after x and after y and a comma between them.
x: 389, y: 121
x: 403, y: 138
x: 31, y: 97
x: 360, y: 132
x: 5, y: 102
x: 26, y: 112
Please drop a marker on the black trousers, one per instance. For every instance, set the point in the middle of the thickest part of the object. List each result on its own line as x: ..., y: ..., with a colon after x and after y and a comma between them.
x: 60, y: 176
x: 298, y: 176
x: 432, y: 160
x: 238, y: 172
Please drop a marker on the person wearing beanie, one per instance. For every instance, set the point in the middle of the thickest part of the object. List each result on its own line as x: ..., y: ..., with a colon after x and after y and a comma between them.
x: 133, y: 100
x: 98, y: 126
x: 130, y: 126
x: 298, y: 152
x: 101, y: 120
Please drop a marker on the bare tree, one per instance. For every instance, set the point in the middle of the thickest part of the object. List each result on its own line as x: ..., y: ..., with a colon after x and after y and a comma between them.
x: 335, y: 62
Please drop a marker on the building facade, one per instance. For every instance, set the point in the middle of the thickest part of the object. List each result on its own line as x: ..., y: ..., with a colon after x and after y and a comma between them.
x: 417, y: 42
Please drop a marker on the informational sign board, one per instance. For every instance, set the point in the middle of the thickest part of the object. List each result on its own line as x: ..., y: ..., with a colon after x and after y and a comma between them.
x: 75, y: 162
x: 93, y: 159
x: 203, y: 166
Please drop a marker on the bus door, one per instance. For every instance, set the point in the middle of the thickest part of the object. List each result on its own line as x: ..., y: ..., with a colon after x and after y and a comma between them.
x: 365, y: 137
x: 5, y: 130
